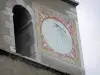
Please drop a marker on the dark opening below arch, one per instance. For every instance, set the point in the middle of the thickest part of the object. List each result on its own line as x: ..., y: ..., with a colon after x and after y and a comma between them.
x: 23, y: 29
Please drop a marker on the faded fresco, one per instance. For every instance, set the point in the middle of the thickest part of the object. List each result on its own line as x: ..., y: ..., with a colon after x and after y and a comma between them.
x: 56, y: 34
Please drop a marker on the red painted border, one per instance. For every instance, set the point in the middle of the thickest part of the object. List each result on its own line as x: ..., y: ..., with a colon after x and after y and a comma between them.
x: 71, y: 54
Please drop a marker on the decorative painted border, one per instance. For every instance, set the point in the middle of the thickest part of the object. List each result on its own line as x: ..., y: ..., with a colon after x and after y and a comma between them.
x: 45, y: 45
x: 43, y: 13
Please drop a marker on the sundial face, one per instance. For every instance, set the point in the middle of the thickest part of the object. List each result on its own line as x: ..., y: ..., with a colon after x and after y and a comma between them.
x: 56, y: 35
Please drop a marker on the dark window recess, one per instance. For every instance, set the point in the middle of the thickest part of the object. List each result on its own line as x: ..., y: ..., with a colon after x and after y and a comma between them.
x: 23, y: 29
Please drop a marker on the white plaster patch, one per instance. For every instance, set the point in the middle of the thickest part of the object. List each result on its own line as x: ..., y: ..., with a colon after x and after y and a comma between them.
x: 12, y: 49
x: 11, y: 19
x: 9, y: 39
x: 11, y: 31
x: 29, y: 9
x: 7, y: 13
x: 8, y: 9
x: 8, y: 24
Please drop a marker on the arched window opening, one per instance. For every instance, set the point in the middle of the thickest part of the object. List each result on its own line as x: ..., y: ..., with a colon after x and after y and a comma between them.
x: 23, y: 29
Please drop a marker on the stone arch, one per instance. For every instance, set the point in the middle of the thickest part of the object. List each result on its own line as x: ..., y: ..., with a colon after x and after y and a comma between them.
x: 23, y: 29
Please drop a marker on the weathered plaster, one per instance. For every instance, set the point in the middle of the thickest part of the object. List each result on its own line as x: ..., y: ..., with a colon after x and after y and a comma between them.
x: 7, y: 38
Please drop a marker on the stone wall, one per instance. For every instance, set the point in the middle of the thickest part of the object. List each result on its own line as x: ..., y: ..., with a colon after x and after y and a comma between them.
x: 7, y: 39
x: 11, y: 64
